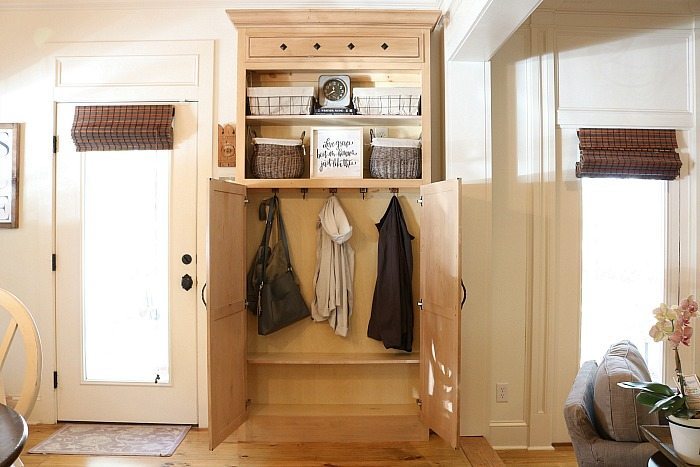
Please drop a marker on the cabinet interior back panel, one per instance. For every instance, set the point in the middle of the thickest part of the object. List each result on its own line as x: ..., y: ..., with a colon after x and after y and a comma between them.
x: 333, y: 384
x: 300, y: 217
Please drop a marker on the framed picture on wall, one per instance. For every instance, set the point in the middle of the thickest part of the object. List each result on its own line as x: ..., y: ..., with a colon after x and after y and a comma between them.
x: 9, y: 175
x: 336, y: 152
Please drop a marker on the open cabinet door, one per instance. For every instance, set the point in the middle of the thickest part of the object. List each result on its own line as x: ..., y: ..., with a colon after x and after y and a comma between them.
x: 441, y: 293
x: 226, y: 323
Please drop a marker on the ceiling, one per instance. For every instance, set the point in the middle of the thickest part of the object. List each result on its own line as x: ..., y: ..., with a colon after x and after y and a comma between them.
x: 120, y: 4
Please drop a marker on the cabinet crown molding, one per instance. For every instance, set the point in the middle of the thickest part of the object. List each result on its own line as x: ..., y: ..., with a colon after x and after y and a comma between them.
x: 334, y: 17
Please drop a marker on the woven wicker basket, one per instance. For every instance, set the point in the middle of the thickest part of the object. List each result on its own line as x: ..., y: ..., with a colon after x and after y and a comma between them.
x: 278, y: 158
x: 395, y: 158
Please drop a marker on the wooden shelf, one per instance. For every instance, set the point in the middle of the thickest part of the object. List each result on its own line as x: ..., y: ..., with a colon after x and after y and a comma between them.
x: 332, y: 358
x: 332, y: 423
x: 332, y: 183
x: 324, y: 410
x: 334, y: 120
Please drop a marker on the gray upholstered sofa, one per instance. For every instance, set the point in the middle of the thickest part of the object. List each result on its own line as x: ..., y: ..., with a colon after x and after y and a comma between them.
x: 592, y: 440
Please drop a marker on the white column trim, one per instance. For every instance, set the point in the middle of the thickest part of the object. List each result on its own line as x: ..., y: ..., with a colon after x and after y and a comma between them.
x: 543, y: 172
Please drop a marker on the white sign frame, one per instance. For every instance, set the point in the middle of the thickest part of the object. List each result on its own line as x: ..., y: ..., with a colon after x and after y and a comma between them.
x: 337, y: 152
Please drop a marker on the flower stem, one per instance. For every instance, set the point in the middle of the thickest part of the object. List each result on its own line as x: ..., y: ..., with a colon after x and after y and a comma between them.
x: 679, y: 371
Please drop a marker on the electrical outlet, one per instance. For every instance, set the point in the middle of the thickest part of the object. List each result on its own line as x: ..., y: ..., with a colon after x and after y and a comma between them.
x: 501, y: 392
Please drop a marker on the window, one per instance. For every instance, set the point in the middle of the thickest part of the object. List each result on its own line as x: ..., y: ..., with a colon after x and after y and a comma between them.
x: 623, y: 265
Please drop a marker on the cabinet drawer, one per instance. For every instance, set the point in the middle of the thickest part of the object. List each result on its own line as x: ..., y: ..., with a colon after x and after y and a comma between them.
x: 367, y: 46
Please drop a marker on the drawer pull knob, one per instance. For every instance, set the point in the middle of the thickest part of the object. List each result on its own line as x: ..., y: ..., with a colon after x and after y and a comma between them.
x: 283, y: 46
x: 317, y: 46
x: 385, y: 46
x: 351, y: 46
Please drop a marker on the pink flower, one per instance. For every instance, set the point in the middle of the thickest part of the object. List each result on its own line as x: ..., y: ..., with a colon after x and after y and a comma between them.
x: 681, y: 335
x: 690, y: 305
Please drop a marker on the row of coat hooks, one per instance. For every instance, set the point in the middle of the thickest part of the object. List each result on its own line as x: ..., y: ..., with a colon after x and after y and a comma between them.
x: 333, y: 191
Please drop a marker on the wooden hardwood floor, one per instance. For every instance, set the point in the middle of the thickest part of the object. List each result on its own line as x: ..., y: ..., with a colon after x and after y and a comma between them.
x: 194, y: 452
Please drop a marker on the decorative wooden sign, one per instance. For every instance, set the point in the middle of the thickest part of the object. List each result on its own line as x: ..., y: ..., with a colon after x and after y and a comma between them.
x: 9, y: 175
x: 336, y: 152
x: 227, y: 146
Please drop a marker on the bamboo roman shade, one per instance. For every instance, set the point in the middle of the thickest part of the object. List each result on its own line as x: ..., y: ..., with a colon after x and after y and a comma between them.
x: 123, y: 127
x: 628, y: 153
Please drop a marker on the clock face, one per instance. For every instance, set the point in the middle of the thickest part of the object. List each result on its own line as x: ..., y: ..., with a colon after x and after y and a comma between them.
x: 334, y: 89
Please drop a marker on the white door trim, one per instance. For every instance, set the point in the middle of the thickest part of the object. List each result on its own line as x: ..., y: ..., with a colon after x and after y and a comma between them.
x: 174, y: 71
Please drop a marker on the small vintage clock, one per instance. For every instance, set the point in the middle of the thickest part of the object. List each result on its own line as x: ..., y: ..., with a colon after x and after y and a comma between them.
x: 334, y: 91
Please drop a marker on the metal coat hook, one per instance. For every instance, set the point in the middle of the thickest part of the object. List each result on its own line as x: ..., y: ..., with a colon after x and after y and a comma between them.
x: 303, y: 192
x: 332, y: 191
x: 393, y: 190
x: 364, y: 192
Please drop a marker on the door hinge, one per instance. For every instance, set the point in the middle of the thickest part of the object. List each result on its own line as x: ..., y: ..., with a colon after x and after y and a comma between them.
x: 420, y: 304
x: 55, y: 379
x: 420, y: 403
x: 53, y: 261
x: 248, y: 403
x: 245, y: 201
x: 55, y: 144
x: 420, y: 201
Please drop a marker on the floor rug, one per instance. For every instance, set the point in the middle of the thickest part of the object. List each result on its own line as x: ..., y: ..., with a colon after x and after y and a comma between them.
x: 113, y: 440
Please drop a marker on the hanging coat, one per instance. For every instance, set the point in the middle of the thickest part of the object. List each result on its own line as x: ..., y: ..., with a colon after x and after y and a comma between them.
x: 335, y: 268
x: 391, y: 320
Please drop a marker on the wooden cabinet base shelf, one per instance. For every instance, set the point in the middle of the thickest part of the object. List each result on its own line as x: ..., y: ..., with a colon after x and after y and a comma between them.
x: 332, y: 423
x: 286, y: 358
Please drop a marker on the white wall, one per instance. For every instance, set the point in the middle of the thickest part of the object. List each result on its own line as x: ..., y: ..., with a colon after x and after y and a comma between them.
x: 29, y: 38
x: 467, y: 156
x: 610, y: 65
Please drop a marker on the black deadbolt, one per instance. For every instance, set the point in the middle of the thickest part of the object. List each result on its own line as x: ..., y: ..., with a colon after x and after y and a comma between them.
x: 186, y: 259
x: 187, y: 282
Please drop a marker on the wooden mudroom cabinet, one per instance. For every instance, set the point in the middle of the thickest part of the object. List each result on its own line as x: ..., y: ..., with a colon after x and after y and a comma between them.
x: 304, y: 383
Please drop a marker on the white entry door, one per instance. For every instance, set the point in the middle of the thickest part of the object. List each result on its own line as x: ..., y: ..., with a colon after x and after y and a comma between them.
x: 125, y: 247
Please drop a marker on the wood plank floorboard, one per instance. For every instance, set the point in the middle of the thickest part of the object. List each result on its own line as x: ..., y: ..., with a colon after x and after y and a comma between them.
x: 479, y: 452
x: 194, y: 452
x: 562, y: 456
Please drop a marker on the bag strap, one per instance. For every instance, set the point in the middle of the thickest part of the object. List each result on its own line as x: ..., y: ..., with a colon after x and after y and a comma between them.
x: 274, y: 211
x: 283, y: 238
x: 271, y: 205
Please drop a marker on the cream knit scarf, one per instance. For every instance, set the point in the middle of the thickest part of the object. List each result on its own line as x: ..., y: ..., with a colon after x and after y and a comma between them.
x: 335, y: 268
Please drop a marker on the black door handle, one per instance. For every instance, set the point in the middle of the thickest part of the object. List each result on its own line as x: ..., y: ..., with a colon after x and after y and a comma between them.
x: 186, y: 282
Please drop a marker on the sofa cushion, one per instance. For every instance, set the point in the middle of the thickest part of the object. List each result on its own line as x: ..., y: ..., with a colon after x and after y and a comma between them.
x: 618, y: 415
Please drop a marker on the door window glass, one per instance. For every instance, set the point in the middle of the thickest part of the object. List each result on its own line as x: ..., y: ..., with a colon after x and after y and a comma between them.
x: 125, y: 266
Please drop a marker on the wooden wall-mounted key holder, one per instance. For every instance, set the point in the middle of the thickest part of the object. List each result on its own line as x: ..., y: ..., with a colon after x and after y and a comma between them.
x: 227, y: 146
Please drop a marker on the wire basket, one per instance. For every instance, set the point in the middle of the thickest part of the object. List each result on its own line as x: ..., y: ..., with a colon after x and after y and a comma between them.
x: 395, y: 158
x: 280, y: 100
x: 278, y: 158
x: 387, y: 101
